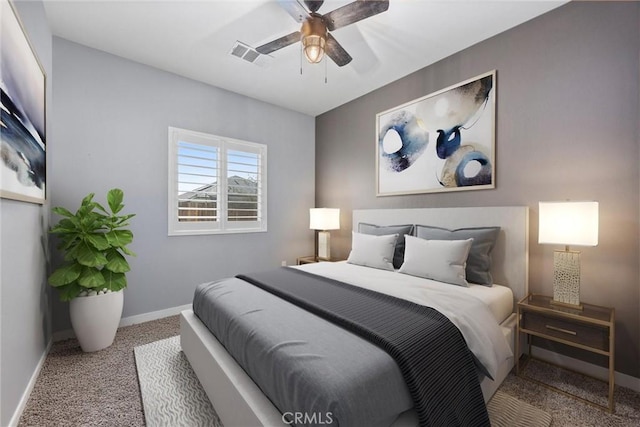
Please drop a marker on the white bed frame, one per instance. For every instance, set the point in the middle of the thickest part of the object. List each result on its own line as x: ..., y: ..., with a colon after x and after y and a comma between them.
x: 240, y: 402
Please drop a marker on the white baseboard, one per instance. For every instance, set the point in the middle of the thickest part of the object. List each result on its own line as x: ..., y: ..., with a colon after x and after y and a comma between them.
x: 154, y: 315
x: 15, y: 419
x: 131, y: 320
x: 596, y: 371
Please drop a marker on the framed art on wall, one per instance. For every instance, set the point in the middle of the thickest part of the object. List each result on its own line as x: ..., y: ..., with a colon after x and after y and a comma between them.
x: 22, y: 124
x: 444, y: 141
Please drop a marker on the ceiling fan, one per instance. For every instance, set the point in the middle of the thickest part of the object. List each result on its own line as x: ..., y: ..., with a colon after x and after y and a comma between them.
x: 314, y: 34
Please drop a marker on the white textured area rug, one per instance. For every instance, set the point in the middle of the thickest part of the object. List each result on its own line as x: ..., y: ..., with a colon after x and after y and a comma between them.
x: 172, y: 395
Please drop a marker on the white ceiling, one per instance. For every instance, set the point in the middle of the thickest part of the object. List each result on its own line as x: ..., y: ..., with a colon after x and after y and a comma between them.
x: 194, y: 38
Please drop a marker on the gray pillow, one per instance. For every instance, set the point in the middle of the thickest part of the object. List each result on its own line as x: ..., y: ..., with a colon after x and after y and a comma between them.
x: 479, y: 261
x: 382, y: 230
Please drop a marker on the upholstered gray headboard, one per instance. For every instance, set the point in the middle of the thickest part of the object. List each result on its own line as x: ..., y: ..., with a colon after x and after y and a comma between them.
x: 510, y: 266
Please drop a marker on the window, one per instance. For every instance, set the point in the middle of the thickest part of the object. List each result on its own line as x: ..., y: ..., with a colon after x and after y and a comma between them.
x: 216, y: 184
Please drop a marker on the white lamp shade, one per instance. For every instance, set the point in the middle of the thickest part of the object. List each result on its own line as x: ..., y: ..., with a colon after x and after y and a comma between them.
x: 568, y: 223
x: 324, y: 219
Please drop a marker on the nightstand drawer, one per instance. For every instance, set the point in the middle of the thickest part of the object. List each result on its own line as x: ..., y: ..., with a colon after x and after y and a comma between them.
x: 575, y: 332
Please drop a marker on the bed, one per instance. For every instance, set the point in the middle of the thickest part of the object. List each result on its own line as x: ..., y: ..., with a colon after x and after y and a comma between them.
x: 237, y: 398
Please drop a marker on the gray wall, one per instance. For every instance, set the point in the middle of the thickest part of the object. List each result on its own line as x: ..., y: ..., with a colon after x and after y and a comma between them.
x: 25, y: 319
x: 111, y: 121
x: 567, y: 128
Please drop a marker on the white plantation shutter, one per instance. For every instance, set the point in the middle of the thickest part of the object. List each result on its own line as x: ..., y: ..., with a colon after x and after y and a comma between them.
x: 216, y: 184
x: 198, y: 168
x: 243, y: 193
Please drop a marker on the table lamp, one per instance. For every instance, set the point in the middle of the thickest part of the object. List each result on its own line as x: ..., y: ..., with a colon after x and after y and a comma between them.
x: 568, y: 223
x: 323, y: 220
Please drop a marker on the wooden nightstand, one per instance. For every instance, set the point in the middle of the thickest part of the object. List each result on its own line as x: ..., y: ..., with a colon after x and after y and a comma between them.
x: 311, y: 259
x: 591, y: 329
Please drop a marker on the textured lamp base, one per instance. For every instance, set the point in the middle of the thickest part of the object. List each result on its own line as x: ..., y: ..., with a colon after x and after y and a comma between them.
x: 566, y: 279
x: 324, y: 245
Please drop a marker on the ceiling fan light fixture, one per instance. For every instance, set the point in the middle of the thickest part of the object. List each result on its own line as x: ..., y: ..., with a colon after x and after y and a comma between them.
x: 313, y: 47
x: 314, y: 37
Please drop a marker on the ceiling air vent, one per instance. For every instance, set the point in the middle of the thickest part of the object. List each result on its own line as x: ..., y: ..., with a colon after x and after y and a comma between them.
x: 249, y: 54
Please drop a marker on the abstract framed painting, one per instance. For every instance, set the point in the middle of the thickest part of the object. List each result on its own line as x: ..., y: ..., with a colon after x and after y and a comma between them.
x: 22, y: 120
x: 444, y: 141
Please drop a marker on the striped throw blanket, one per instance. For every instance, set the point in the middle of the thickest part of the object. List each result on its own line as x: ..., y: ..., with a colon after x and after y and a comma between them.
x: 435, y: 361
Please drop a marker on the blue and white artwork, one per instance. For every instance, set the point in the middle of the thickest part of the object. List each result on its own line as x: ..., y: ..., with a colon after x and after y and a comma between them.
x: 22, y: 115
x: 444, y: 141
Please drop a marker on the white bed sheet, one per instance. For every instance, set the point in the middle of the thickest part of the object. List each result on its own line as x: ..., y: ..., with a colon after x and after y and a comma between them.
x: 498, y: 298
x: 465, y: 309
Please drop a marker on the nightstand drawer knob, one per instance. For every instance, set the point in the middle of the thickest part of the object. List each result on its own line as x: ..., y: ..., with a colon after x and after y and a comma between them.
x: 564, y: 331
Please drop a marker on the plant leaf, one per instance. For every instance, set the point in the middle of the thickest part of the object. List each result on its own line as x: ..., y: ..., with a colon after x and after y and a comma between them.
x: 71, y: 249
x: 127, y: 251
x: 100, y: 207
x: 98, y: 241
x: 70, y: 291
x: 93, y: 221
x: 65, y: 275
x: 87, y: 200
x: 66, y: 225
x: 119, y: 238
x: 121, y: 221
x: 114, y: 281
x: 83, y: 211
x: 116, y: 263
x: 114, y: 198
x: 89, y: 256
x: 91, y: 278
x: 68, y: 240
x: 62, y: 211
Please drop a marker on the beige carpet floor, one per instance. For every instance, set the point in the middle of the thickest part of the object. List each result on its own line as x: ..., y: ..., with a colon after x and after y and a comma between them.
x: 101, y: 389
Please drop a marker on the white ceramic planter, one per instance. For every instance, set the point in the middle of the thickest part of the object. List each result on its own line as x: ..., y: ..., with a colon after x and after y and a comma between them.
x: 95, y: 319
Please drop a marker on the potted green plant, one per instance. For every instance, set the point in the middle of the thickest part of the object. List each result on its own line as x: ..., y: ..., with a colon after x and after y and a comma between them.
x: 94, y: 241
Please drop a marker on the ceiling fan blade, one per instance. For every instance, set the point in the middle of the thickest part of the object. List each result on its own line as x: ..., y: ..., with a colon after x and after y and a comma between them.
x: 283, y: 41
x: 336, y: 52
x: 313, y: 5
x: 295, y: 9
x: 354, y: 12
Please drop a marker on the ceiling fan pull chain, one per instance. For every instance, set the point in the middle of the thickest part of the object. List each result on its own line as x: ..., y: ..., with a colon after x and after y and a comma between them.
x: 325, y: 70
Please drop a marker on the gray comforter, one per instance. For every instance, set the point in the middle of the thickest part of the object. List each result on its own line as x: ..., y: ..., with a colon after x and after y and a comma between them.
x: 335, y: 378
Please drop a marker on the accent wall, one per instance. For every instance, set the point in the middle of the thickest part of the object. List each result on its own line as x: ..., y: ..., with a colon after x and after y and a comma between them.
x: 567, y: 99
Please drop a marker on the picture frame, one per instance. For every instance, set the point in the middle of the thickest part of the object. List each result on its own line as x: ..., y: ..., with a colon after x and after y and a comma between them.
x: 443, y: 141
x: 23, y: 113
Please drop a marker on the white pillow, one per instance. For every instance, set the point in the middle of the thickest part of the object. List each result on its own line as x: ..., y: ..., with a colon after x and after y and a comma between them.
x: 373, y: 251
x: 442, y: 260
